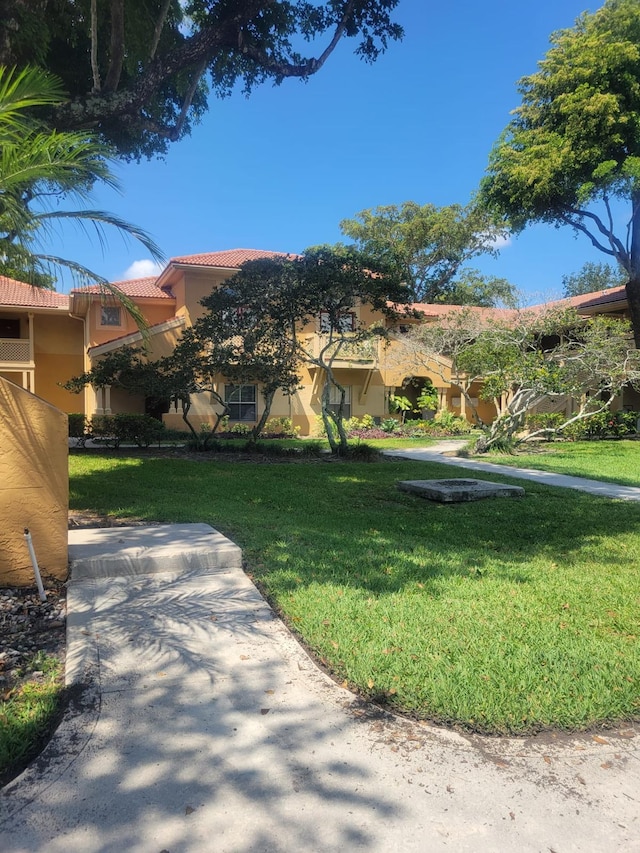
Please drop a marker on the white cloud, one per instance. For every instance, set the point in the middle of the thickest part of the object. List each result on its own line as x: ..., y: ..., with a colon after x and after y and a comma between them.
x: 499, y: 242
x: 143, y: 268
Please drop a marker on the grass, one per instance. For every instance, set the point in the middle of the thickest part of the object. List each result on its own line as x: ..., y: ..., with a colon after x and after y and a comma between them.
x: 612, y: 461
x: 497, y: 616
x: 28, y: 715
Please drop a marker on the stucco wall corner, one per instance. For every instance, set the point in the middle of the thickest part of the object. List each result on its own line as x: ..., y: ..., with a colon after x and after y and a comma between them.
x: 34, y: 486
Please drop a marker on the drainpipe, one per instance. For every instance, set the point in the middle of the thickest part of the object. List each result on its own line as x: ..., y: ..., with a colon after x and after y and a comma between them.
x: 34, y: 562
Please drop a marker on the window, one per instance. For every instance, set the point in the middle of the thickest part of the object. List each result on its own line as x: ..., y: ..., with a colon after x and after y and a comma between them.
x: 334, y: 400
x: 241, y: 402
x: 9, y: 327
x: 345, y: 323
x: 110, y: 315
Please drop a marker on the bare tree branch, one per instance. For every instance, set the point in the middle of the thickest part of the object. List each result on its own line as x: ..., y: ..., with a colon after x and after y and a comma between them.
x: 157, y: 32
x: 94, y: 47
x: 186, y: 104
x: 116, y: 46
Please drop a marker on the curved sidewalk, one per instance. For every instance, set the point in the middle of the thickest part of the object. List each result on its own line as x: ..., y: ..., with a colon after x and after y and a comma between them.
x: 199, y: 724
x: 582, y: 484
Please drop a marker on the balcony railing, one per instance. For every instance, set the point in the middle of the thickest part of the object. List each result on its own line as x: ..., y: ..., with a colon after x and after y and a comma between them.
x: 348, y: 352
x: 15, y: 351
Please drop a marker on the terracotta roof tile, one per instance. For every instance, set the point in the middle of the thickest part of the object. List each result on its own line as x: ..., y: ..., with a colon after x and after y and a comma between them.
x: 140, y: 288
x: 19, y: 294
x: 229, y: 259
x: 600, y: 297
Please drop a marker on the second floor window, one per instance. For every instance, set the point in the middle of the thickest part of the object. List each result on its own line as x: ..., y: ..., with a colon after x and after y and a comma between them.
x: 110, y: 315
x: 345, y: 323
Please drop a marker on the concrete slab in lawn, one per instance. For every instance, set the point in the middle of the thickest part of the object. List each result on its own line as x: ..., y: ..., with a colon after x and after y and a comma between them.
x: 129, y: 551
x: 459, y: 490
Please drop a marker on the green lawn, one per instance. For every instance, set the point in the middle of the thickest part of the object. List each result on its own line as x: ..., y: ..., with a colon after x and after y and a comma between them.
x: 500, y: 615
x: 28, y: 714
x: 613, y: 461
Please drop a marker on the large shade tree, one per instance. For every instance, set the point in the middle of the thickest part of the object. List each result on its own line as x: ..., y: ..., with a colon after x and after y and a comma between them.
x: 139, y: 71
x: 41, y: 168
x: 264, y: 322
x: 246, y: 336
x: 431, y: 245
x: 571, y: 153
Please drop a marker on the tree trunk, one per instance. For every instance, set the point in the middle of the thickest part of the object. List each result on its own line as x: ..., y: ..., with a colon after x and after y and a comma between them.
x: 268, y: 400
x: 633, y: 285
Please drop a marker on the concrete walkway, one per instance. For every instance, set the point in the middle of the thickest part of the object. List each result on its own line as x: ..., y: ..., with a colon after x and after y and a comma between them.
x: 199, y: 724
x: 434, y: 453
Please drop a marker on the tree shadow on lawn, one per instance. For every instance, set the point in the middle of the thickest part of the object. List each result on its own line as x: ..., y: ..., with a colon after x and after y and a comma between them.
x: 348, y: 524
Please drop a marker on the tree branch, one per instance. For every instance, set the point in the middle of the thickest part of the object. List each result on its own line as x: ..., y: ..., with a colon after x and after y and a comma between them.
x: 176, y: 130
x: 116, y: 46
x: 617, y: 248
x: 94, y: 47
x: 199, y: 48
x: 580, y: 227
x: 157, y: 31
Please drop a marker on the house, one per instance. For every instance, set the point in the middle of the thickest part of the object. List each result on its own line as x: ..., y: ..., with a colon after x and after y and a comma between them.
x: 41, y: 344
x: 46, y: 338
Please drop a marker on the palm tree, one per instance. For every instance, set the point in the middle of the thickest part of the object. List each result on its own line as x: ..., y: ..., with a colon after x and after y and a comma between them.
x: 38, y: 168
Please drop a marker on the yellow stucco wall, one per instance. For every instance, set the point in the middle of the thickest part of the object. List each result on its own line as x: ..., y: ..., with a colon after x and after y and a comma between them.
x: 154, y: 310
x: 34, y: 490
x: 197, y: 285
x: 58, y: 342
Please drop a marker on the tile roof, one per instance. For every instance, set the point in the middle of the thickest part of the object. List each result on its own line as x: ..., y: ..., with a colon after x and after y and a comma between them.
x: 229, y: 259
x: 440, y: 309
x: 600, y: 297
x: 19, y: 294
x: 139, y: 288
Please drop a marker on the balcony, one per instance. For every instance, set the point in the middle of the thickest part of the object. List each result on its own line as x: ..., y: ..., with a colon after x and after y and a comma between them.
x: 348, y: 353
x: 16, y: 354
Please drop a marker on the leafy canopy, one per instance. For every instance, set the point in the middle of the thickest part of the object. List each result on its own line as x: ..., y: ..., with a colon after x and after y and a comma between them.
x: 430, y: 245
x: 521, y: 358
x: 40, y: 168
x: 591, y: 277
x: 140, y: 71
x: 258, y: 325
x: 571, y: 154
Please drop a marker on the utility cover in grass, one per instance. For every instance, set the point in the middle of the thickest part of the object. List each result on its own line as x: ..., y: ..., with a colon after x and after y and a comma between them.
x: 456, y: 491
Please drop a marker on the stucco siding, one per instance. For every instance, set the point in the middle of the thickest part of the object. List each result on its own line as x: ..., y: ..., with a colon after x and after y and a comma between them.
x: 34, y: 490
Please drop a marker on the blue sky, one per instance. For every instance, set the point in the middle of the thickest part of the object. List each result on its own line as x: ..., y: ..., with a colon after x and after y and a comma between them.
x: 281, y: 169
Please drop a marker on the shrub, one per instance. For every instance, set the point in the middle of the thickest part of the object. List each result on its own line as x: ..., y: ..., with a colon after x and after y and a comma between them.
x: 280, y: 428
x: 375, y: 432
x: 451, y: 424
x: 240, y: 429
x: 389, y: 425
x: 603, y: 425
x: 115, y: 429
x: 78, y: 425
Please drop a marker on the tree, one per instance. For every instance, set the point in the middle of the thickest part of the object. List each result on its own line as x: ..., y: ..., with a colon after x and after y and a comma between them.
x: 265, y: 311
x: 174, y: 379
x: 39, y: 168
x: 430, y: 245
x: 573, y: 146
x: 473, y: 288
x: 245, y: 336
x: 521, y: 358
x: 591, y: 277
x: 139, y: 71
